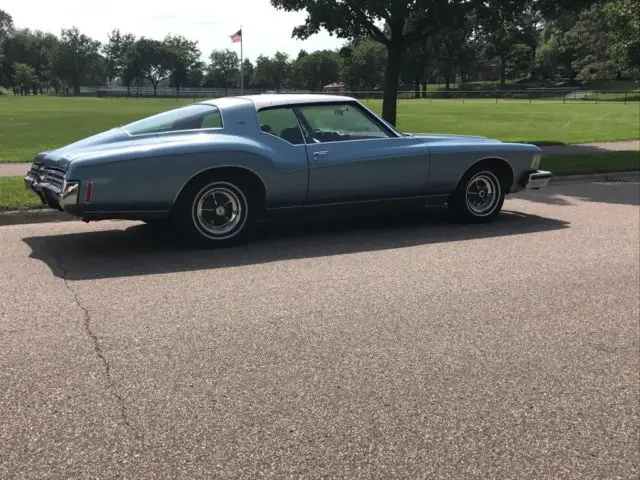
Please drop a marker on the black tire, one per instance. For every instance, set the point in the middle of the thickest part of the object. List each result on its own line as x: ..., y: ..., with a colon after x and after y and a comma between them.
x: 487, y: 207
x: 226, y: 200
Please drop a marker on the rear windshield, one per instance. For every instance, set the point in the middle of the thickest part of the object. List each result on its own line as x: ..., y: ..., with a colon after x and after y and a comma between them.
x: 191, y: 117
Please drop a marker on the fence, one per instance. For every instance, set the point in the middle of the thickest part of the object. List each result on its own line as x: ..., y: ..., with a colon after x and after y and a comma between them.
x: 562, y: 95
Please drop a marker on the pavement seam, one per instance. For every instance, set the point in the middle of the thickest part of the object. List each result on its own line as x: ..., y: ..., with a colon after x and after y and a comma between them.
x: 96, y: 346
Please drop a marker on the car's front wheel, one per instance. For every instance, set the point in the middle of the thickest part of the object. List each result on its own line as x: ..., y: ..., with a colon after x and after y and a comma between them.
x: 479, y: 196
x: 215, y: 211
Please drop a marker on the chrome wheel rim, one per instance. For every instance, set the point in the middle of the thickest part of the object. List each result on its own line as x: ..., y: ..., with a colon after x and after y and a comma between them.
x: 219, y: 210
x: 483, y: 193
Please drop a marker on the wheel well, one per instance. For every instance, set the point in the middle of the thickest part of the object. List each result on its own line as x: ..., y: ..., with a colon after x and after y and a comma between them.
x: 252, y: 180
x: 501, y: 167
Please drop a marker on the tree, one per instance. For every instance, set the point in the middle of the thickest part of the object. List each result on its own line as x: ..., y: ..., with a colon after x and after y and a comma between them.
x: 223, y: 68
x: 590, y: 38
x: 6, y: 25
x: 449, y: 48
x: 313, y: 71
x: 247, y: 73
x: 414, y: 67
x: 407, y: 22
x: 519, y: 61
x: 118, y: 52
x: 364, y: 65
x: 6, y: 28
x: 280, y: 70
x: 150, y: 61
x: 498, y: 29
x: 75, y: 59
x: 272, y: 72
x: 24, y: 77
x: 623, y: 17
x: 554, y: 55
x: 183, y: 57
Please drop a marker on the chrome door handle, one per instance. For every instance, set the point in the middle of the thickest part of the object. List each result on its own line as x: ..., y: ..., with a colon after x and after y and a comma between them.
x: 321, y: 153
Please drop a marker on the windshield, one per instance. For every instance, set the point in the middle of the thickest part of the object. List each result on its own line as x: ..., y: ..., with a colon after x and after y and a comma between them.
x: 191, y: 117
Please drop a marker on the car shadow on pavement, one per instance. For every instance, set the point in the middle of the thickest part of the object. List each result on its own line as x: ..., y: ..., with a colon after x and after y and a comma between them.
x: 142, y: 250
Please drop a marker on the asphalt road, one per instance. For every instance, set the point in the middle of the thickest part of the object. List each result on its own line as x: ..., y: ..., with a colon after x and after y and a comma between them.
x: 378, y: 349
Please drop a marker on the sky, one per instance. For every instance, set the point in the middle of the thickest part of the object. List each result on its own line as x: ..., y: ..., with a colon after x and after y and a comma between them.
x: 211, y: 22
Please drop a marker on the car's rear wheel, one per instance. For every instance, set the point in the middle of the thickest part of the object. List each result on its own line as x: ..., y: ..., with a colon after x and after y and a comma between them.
x: 215, y: 211
x: 479, y: 196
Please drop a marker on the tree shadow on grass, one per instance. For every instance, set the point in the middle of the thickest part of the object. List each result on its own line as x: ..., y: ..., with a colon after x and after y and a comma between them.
x: 141, y: 250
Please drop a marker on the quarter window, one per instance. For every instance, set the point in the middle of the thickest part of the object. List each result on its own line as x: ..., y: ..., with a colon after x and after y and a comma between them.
x: 282, y: 123
x: 191, y: 117
x: 331, y: 123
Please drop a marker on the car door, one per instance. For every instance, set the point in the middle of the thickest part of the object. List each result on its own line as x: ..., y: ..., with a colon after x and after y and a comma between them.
x: 353, y: 156
x: 281, y: 134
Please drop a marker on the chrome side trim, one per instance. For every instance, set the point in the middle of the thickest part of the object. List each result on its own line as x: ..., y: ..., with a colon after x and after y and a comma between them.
x: 442, y: 197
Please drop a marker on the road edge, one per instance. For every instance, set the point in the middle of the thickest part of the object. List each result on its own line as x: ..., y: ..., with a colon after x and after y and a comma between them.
x: 596, y: 177
x: 18, y: 217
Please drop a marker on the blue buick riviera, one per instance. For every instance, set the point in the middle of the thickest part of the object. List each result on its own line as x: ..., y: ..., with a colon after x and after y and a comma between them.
x: 211, y: 169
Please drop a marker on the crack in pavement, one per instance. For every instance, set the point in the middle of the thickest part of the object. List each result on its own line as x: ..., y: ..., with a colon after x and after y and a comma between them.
x: 96, y: 346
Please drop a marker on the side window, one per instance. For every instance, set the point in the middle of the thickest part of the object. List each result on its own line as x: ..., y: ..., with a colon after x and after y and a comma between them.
x: 191, y: 117
x: 332, y: 123
x: 282, y: 123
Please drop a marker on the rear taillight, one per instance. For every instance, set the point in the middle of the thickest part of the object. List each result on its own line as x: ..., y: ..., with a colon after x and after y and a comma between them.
x: 89, y: 192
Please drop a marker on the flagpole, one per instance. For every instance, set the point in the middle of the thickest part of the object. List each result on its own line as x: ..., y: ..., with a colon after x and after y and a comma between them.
x: 241, y: 62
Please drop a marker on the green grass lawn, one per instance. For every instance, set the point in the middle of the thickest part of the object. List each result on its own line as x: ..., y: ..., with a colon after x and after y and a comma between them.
x: 14, y: 196
x: 32, y: 124
x: 599, y: 162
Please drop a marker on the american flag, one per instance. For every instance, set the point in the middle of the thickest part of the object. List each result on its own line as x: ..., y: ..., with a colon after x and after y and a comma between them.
x: 236, y: 37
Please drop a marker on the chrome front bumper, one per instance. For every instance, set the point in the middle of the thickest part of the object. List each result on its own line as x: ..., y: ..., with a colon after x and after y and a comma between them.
x: 538, y: 179
x: 52, y: 188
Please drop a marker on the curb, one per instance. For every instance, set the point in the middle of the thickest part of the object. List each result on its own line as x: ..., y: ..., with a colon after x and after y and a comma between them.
x: 596, y: 177
x: 17, y: 217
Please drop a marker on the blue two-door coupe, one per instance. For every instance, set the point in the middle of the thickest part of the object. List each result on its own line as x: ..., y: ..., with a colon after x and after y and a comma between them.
x: 212, y: 168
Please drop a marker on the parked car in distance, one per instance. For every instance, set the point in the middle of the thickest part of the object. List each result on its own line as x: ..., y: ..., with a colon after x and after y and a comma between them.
x: 211, y: 169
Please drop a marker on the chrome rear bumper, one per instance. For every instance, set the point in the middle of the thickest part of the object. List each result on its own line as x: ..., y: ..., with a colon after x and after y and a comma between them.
x: 52, y: 188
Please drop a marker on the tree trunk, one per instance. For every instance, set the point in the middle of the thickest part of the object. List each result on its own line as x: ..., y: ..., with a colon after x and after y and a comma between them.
x: 391, y: 74
x: 417, y: 82
x: 533, y: 72
x: 503, y: 72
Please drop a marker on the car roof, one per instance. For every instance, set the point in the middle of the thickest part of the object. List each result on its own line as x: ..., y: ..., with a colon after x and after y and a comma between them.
x: 279, y: 99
